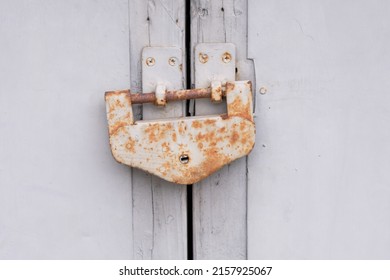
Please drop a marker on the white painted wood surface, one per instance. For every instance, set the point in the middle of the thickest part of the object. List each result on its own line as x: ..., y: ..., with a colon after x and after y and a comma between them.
x: 159, y: 207
x: 319, y: 181
x: 62, y: 196
x: 219, y: 202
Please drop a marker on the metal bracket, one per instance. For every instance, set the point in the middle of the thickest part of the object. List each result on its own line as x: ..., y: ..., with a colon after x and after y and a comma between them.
x: 162, y: 69
x: 214, y: 62
x: 182, y: 150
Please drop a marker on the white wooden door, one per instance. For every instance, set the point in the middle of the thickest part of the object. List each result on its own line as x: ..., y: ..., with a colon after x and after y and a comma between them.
x: 61, y: 195
x: 319, y: 180
x: 315, y: 186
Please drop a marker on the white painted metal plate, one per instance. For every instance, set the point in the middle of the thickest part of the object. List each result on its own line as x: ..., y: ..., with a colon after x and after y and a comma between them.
x: 162, y: 66
x: 214, y: 62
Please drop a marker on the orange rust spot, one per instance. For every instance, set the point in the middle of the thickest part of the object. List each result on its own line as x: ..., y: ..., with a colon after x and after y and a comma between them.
x: 243, y: 126
x: 174, y: 137
x: 128, y: 98
x: 200, y: 145
x: 116, y: 92
x: 224, y: 116
x: 130, y: 145
x: 165, y: 147
x: 234, y: 137
x: 182, y: 128
x: 206, y: 137
x: 237, y: 108
x: 196, y: 124
x: 157, y: 131
x: 119, y: 104
x: 166, y: 165
x: 230, y: 86
x: 112, y: 108
x: 209, y: 122
x: 152, y: 131
x: 222, y: 130
x: 113, y: 129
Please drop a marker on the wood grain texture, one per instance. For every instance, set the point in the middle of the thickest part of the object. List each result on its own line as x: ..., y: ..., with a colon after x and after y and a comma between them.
x: 220, y: 201
x: 319, y: 181
x: 62, y: 195
x: 159, y: 207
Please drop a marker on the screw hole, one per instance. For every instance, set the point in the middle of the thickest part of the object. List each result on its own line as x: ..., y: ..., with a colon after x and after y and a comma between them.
x: 184, y: 158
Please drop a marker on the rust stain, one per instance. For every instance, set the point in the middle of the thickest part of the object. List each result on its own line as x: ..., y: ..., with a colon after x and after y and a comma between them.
x: 165, y: 147
x: 234, y: 137
x: 216, y: 94
x: 239, y: 109
x: 119, y: 104
x: 130, y: 145
x: 243, y: 126
x: 166, y: 165
x: 182, y: 128
x: 224, y: 116
x: 174, y: 137
x: 115, y: 128
x: 230, y: 86
x: 157, y: 131
x: 111, y: 93
x: 209, y: 122
x: 112, y: 108
x: 206, y: 137
x: 152, y: 130
x: 197, y: 124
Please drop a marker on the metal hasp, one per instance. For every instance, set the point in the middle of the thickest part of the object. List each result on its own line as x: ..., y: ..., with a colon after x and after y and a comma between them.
x: 182, y: 150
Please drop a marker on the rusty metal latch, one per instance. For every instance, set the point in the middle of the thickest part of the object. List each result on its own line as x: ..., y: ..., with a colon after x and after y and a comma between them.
x: 182, y: 150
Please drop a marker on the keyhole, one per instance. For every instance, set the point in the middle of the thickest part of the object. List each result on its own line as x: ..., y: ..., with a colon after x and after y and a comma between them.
x: 184, y: 158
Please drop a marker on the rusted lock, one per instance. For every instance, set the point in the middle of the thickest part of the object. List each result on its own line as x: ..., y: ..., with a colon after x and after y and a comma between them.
x: 182, y: 150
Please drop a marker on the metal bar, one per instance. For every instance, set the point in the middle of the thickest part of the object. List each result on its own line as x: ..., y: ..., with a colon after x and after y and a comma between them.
x: 171, y: 95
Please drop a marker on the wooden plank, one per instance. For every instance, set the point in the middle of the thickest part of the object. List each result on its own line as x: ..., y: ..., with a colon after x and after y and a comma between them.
x: 219, y: 202
x: 62, y: 195
x: 159, y: 207
x: 319, y: 181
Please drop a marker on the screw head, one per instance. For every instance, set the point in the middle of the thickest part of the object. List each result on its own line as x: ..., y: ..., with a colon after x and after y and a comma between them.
x: 150, y: 61
x: 226, y: 57
x: 203, y: 57
x: 172, y: 61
